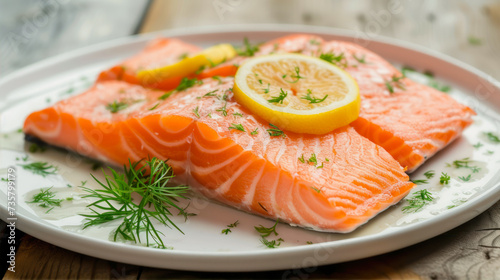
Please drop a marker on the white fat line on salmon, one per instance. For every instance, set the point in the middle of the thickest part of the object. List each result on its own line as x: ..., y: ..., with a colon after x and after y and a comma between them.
x: 55, y: 133
x: 213, y: 151
x: 150, y: 150
x: 224, y: 187
x: 249, y: 196
x: 132, y: 155
x: 212, y: 168
x: 159, y: 140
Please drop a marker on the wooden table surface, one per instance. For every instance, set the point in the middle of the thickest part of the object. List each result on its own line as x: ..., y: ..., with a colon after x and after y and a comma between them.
x: 467, y: 30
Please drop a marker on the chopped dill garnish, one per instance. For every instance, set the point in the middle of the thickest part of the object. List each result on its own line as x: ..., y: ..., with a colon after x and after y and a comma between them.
x: 313, y: 159
x: 395, y: 82
x: 418, y: 201
x: 223, y: 109
x: 492, y: 137
x: 444, y: 179
x: 407, y: 69
x: 278, y: 99
x: 45, y: 199
x: 359, y: 59
x: 208, y: 94
x: 465, y: 179
x: 184, y: 213
x: 149, y: 180
x: 34, y: 147
x: 266, y: 90
x: 116, y: 106
x: 255, y: 131
x: 154, y: 107
x: 41, y: 168
x: 197, y: 72
x: 271, y: 243
x: 183, y: 56
x: 295, y: 76
x: 238, y: 114
x: 316, y: 189
x: 237, y: 127
x: 429, y: 174
x: 195, y: 111
x: 309, y: 242
x: 166, y: 95
x: 420, y: 182
x: 228, y: 229
x: 443, y: 88
x: 217, y: 78
x: 490, y: 152
x: 320, y: 166
x: 249, y: 49
x: 314, y: 42
x: 477, y: 145
x: 265, y: 232
x: 302, y: 159
x: 275, y: 131
x: 474, y: 40
x: 338, y: 60
x: 464, y: 163
x: 187, y: 83
x: 311, y: 99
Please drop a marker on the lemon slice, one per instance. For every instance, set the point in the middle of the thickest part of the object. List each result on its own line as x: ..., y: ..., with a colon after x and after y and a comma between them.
x: 297, y: 93
x: 189, y: 65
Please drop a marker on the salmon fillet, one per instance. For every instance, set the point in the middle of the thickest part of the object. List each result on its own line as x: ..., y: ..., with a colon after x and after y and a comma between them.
x: 157, y: 53
x: 413, y: 122
x: 251, y: 170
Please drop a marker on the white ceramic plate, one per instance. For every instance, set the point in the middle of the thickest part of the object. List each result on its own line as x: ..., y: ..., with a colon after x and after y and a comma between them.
x: 203, y: 247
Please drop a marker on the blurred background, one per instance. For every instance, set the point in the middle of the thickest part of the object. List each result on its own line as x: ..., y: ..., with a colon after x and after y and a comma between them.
x: 32, y: 30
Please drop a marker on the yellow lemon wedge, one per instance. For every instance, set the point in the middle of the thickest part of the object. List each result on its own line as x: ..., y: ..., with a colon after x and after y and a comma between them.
x: 189, y: 65
x: 297, y: 93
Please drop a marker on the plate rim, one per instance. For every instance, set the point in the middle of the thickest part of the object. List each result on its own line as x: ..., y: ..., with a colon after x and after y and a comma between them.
x: 74, y: 241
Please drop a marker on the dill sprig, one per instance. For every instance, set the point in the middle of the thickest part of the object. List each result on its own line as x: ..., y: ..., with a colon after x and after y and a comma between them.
x: 444, y: 179
x: 339, y: 60
x: 187, y: 83
x: 150, y: 181
x: 271, y: 243
x: 418, y: 201
x: 116, y: 106
x: 429, y: 174
x: 249, y: 49
x: 395, y: 82
x: 295, y: 76
x: 477, y: 145
x: 229, y: 227
x: 275, y: 131
x: 266, y: 90
x: 195, y: 112
x: 465, y: 178
x: 237, y: 127
x: 45, y: 199
x: 492, y: 137
x: 256, y: 131
x: 223, y: 109
x: 278, y: 99
x: 464, y: 163
x: 359, y: 59
x: 313, y: 100
x: 420, y: 182
x: 208, y: 94
x: 41, y: 168
x: 265, y: 232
